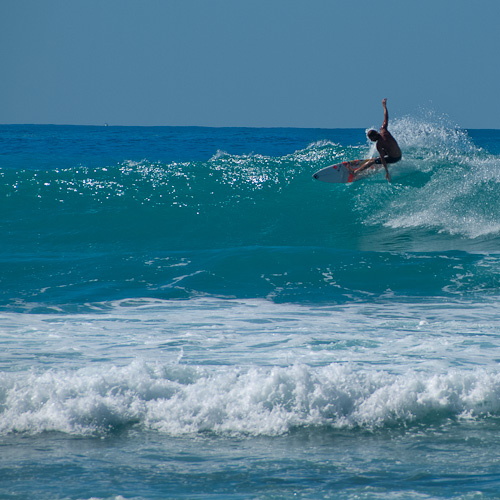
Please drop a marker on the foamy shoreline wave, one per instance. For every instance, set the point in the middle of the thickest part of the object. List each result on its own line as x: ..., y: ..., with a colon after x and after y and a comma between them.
x: 180, y: 400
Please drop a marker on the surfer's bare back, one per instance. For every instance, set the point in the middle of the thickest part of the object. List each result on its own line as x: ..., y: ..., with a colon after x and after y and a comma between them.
x: 387, y: 146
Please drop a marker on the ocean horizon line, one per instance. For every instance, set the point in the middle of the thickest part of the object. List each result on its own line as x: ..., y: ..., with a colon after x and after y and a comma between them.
x: 214, y: 127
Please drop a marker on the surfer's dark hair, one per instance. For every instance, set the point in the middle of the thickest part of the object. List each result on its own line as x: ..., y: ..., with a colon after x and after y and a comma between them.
x: 372, y: 134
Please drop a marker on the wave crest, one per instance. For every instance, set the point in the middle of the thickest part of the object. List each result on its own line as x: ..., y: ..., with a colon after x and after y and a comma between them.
x: 178, y: 399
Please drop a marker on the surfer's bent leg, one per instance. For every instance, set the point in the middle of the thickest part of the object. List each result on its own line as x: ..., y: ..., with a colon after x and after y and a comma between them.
x: 368, y: 164
x: 388, y: 159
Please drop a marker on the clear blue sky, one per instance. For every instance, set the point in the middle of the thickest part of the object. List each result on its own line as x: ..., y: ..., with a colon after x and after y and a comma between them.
x: 290, y: 63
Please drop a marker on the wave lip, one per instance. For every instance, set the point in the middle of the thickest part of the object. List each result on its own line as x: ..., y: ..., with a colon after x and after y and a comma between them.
x: 179, y: 400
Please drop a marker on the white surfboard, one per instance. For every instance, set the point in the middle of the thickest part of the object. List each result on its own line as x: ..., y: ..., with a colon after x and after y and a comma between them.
x: 344, y: 172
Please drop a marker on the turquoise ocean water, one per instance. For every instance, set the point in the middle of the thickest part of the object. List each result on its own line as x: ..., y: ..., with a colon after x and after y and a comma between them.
x: 186, y: 313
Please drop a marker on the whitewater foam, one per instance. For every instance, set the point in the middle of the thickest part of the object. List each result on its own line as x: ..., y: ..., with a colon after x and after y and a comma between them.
x: 178, y: 399
x: 248, y: 367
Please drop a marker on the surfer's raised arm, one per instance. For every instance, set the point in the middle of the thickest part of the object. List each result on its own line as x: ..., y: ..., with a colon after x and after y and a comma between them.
x: 386, y: 114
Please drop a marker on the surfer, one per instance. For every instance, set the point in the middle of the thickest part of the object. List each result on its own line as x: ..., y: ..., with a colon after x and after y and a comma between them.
x: 387, y: 146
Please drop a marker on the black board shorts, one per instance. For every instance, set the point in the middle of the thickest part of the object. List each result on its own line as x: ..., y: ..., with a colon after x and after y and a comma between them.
x: 388, y: 159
